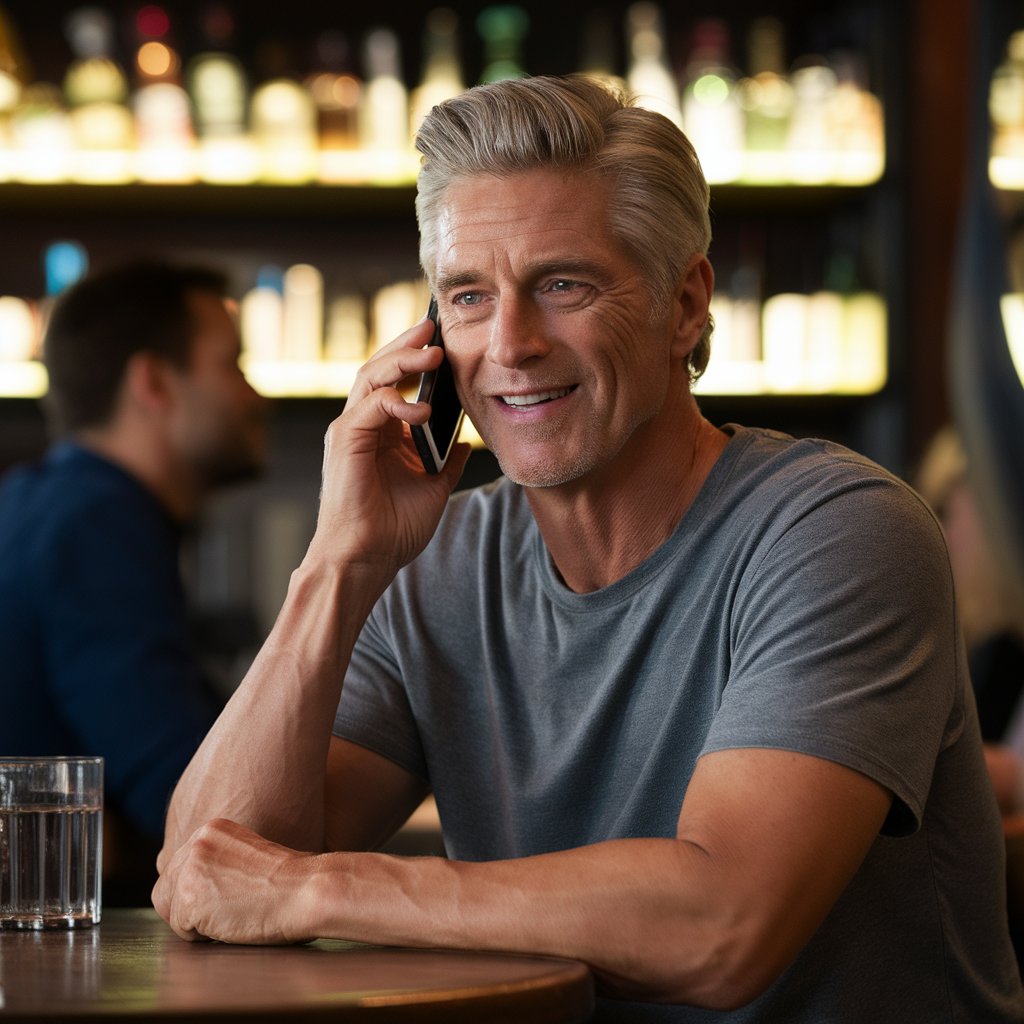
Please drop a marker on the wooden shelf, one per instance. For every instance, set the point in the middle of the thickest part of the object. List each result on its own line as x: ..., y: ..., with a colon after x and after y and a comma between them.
x: 364, y: 202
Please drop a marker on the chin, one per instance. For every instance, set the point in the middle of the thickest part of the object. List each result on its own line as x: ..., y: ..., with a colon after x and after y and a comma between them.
x: 547, y: 474
x: 233, y: 470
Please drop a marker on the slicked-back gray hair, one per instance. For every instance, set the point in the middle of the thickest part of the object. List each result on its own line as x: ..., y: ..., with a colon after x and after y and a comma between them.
x: 659, y: 209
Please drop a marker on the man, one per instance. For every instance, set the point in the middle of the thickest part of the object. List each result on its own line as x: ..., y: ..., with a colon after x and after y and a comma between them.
x: 152, y: 412
x: 690, y: 700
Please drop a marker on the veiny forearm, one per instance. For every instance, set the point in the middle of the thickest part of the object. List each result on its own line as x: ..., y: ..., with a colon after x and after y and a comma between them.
x: 657, y: 919
x: 262, y: 763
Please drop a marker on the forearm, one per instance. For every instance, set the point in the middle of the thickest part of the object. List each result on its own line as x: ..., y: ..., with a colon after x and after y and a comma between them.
x: 262, y: 764
x: 657, y: 919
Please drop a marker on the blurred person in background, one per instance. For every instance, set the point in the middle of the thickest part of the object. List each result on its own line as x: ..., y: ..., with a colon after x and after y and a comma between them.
x: 991, y: 614
x: 150, y: 412
x: 991, y: 611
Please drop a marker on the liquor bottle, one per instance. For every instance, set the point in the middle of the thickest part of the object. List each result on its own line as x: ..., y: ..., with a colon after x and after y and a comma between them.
x: 812, y: 157
x: 503, y: 28
x: 784, y: 341
x: 284, y: 129
x: 163, y: 114
x: 766, y: 98
x: 18, y: 332
x: 347, y: 335
x: 384, y: 113
x: 14, y: 76
x: 337, y: 93
x: 599, y: 57
x: 393, y: 307
x: 856, y: 122
x: 826, y: 316
x: 865, y: 343
x: 261, y: 315
x: 65, y: 262
x: 649, y: 77
x: 745, y: 290
x: 442, y: 69
x: 96, y: 90
x: 303, y: 314
x: 41, y: 135
x: 218, y: 88
x: 1006, y: 101
x: 712, y: 117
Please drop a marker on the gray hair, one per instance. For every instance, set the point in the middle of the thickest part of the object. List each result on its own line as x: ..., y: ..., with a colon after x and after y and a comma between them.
x: 660, y: 197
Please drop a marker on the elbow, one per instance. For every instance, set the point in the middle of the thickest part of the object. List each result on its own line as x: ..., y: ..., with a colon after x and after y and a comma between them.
x: 729, y: 990
x: 741, y: 966
x: 722, y: 968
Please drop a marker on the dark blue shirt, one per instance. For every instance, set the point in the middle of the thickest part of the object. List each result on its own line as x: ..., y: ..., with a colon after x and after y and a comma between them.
x: 95, y: 657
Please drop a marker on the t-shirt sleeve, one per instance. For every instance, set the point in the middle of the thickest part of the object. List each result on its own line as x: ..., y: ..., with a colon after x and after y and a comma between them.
x: 845, y: 644
x: 374, y: 708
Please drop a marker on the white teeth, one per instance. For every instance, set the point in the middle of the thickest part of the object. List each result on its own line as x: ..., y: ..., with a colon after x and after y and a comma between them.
x: 541, y: 396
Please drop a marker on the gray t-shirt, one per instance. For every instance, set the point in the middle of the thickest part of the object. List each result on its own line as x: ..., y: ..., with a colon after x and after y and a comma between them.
x: 804, y: 602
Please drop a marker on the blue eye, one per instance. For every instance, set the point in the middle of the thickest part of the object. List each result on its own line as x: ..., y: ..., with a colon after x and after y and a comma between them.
x: 467, y: 299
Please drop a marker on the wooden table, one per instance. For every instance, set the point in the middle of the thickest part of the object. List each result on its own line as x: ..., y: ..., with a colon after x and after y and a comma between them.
x: 132, y: 967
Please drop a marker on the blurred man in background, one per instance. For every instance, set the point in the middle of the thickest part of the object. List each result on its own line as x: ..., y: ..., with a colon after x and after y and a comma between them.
x: 150, y: 412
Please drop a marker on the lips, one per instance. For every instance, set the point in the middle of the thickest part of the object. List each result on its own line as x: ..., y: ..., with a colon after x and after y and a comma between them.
x: 519, y: 401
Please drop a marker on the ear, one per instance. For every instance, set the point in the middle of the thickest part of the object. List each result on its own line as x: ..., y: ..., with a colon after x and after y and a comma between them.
x: 692, y: 304
x: 149, y: 382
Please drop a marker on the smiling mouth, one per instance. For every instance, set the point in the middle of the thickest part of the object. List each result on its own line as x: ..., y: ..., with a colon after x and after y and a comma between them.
x: 519, y: 401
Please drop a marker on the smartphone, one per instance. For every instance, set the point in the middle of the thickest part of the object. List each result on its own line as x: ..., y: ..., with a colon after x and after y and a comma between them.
x: 435, y: 438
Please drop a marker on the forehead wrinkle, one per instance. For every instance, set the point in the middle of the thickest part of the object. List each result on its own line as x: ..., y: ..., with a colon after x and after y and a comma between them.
x: 476, y: 231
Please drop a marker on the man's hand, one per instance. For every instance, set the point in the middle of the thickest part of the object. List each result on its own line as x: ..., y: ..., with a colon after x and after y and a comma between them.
x: 230, y: 884
x: 378, y: 505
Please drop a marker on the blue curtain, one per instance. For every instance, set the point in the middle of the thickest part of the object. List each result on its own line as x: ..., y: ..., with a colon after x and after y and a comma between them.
x: 987, y: 395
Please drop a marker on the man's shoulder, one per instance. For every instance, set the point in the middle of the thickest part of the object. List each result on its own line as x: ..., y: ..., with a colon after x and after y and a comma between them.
x: 771, y: 482
x: 70, y: 492
x: 795, y: 465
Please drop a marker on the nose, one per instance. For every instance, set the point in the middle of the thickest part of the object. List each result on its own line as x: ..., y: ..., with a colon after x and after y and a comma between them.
x: 517, y: 333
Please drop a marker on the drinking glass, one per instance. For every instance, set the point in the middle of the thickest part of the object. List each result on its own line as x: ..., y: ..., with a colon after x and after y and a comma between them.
x: 51, y: 841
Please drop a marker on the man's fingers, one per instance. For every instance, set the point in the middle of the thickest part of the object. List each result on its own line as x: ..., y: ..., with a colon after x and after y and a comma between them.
x: 404, y: 357
x: 377, y: 411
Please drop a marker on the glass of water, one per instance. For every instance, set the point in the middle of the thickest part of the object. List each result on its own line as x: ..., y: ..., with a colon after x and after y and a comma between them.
x: 51, y: 841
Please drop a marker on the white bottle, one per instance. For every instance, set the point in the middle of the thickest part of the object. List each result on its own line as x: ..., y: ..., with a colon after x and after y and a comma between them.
x: 442, y: 70
x: 284, y: 128
x: 649, y: 77
x: 384, y: 114
x: 219, y: 90
x: 712, y: 117
x: 163, y: 113
x: 303, y: 314
x: 96, y: 90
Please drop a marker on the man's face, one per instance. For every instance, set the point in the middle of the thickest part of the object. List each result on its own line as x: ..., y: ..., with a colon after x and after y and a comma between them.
x: 219, y: 422
x: 561, y: 361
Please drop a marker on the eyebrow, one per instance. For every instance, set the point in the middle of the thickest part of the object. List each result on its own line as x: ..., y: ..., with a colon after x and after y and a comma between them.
x: 567, y: 267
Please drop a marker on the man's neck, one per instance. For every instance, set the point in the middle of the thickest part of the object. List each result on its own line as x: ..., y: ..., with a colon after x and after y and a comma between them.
x: 599, y: 529
x: 150, y: 462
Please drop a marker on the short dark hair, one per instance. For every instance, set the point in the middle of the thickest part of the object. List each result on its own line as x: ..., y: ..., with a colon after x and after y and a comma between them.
x: 99, y: 323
